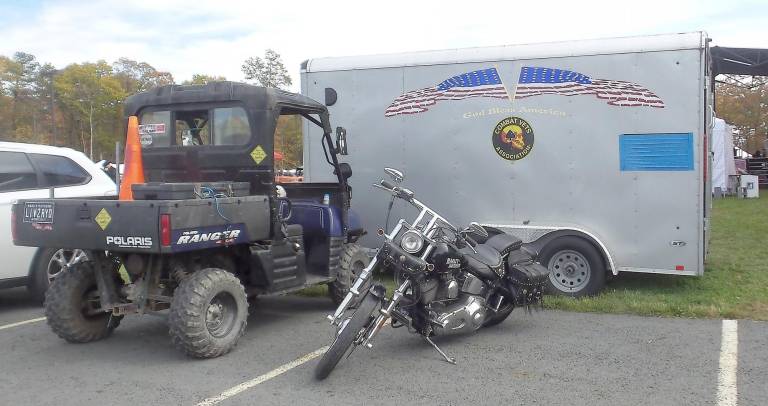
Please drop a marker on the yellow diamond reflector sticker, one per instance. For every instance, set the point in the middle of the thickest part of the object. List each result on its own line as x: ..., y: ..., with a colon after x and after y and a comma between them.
x: 103, y: 219
x: 258, y: 154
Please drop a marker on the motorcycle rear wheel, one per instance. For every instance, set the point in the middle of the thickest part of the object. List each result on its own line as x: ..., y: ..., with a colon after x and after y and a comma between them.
x: 346, y: 337
x: 504, y: 311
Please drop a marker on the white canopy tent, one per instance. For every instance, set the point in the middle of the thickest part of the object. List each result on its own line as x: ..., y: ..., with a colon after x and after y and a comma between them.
x: 722, y: 158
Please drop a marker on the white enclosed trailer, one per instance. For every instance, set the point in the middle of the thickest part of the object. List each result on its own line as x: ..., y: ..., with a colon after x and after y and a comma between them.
x: 594, y: 152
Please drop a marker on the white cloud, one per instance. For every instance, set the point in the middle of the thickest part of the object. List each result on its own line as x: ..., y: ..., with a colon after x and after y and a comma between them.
x: 186, y: 37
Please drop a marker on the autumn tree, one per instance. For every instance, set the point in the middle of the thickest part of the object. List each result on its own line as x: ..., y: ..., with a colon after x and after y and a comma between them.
x: 201, y: 79
x: 93, y: 96
x: 267, y: 72
x: 139, y: 76
x: 18, y: 79
x: 743, y: 102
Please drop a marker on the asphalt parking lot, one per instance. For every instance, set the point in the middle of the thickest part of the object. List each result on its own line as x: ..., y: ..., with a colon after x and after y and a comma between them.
x: 548, y: 358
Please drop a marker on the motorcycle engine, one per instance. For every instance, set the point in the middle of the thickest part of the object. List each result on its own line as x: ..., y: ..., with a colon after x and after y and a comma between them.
x: 456, y: 303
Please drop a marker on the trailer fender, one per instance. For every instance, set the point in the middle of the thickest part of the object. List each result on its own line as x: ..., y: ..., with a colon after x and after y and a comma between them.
x: 538, y: 244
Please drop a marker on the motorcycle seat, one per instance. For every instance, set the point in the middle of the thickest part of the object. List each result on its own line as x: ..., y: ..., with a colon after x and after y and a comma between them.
x: 504, y: 243
x: 484, y: 261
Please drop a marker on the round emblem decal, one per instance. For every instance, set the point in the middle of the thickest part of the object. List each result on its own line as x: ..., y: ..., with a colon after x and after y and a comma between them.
x: 512, y: 138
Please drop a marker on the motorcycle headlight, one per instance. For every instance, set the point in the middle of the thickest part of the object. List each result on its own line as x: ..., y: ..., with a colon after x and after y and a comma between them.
x: 412, y: 242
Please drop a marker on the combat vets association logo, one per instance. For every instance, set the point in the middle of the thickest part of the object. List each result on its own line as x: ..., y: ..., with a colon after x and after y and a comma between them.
x: 512, y: 138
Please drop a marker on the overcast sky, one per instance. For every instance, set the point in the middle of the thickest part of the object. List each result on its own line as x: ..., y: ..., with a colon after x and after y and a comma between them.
x: 215, y: 37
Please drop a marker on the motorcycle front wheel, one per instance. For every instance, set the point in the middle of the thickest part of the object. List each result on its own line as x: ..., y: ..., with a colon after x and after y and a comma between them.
x: 350, y: 330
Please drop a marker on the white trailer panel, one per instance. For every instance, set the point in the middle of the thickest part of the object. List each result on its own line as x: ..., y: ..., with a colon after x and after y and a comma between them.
x: 613, y: 138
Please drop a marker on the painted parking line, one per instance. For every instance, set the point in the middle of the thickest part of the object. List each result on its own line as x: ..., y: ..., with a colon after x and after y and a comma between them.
x: 263, y: 378
x: 726, y: 380
x: 21, y: 323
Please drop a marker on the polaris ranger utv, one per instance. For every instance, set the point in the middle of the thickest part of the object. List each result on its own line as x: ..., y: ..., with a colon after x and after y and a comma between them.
x: 209, y: 228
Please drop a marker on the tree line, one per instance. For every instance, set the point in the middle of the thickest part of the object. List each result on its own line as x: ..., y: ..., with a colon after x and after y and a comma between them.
x: 81, y: 105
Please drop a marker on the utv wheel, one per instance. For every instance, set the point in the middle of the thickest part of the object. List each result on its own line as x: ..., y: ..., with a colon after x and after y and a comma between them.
x: 350, y: 329
x: 208, y: 313
x: 73, y: 309
x: 49, y: 263
x: 353, y: 261
x: 575, y: 266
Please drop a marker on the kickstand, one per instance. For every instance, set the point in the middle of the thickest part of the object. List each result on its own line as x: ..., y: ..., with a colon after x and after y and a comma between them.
x: 448, y: 359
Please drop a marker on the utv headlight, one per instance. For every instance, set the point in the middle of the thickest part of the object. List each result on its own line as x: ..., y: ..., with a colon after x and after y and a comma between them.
x: 412, y: 242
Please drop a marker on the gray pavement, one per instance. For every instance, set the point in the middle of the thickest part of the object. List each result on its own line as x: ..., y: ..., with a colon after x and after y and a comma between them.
x: 552, y: 358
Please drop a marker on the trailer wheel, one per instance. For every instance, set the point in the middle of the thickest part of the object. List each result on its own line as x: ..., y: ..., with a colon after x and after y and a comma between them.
x: 73, y: 309
x: 209, y: 312
x: 353, y: 261
x: 576, y: 268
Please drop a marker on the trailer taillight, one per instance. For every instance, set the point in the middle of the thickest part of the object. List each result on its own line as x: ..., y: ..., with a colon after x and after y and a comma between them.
x: 165, y: 230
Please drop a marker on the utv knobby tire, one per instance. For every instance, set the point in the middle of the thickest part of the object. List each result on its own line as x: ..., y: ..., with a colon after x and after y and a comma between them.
x: 353, y: 261
x: 189, y: 323
x: 64, y: 303
x: 360, y: 318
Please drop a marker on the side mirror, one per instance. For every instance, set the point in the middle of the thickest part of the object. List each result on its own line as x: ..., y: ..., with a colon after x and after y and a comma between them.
x: 478, y: 229
x: 341, y: 141
x: 396, y: 175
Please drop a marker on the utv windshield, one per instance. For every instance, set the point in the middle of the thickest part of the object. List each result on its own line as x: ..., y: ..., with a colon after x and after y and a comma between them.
x: 218, y: 126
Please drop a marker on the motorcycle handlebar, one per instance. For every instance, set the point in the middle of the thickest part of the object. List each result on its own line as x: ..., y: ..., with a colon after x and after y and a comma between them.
x: 387, y: 184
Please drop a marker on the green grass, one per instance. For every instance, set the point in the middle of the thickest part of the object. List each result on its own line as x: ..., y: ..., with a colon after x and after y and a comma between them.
x: 734, y: 285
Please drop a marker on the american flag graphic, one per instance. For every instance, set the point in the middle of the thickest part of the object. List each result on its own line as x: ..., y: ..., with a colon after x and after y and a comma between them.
x: 479, y: 83
x: 536, y: 81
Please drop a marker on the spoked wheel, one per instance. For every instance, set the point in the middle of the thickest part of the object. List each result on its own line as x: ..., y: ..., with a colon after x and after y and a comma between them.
x: 350, y: 331
x: 49, y: 265
x: 61, y: 260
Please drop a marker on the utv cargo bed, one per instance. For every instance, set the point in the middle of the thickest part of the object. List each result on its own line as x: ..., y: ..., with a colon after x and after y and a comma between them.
x: 149, y: 226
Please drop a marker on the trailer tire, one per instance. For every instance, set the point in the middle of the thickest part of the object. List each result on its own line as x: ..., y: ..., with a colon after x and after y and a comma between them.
x: 576, y: 267
x: 65, y: 302
x: 353, y: 261
x: 209, y: 312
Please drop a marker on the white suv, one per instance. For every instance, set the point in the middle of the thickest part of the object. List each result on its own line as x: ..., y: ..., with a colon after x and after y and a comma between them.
x: 29, y: 171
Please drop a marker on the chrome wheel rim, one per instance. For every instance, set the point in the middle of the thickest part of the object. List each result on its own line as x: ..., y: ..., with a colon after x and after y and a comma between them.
x: 569, y: 270
x: 220, y: 315
x: 61, y: 260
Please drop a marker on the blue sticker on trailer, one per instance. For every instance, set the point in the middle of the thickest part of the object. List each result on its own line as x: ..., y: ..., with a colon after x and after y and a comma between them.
x: 656, y: 152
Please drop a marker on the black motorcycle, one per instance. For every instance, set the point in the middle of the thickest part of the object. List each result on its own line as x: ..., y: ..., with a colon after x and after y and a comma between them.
x: 449, y: 281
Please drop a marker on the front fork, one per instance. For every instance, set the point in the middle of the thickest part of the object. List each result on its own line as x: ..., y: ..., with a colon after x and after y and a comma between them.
x: 354, y: 292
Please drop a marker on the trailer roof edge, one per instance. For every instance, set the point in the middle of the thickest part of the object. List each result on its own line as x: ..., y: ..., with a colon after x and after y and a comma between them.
x: 648, y: 43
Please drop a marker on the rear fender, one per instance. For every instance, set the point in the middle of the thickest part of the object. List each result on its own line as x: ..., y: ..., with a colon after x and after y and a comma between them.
x: 539, y: 244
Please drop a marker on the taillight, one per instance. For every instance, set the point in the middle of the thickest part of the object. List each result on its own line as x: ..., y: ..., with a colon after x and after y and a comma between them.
x: 165, y: 230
